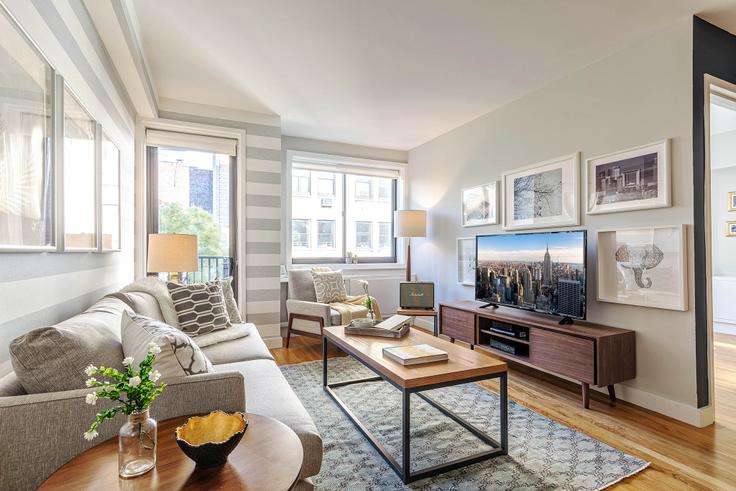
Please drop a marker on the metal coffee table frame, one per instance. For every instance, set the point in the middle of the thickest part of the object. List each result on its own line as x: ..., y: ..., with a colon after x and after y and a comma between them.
x: 404, y: 469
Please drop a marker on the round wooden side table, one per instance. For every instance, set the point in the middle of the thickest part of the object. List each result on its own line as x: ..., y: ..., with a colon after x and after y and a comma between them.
x: 269, y: 456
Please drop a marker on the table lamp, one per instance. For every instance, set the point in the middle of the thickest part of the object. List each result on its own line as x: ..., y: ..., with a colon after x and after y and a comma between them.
x: 408, y: 224
x: 172, y: 253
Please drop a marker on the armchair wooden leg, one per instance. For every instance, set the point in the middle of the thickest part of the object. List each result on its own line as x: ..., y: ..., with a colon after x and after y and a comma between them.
x: 311, y: 318
x: 288, y: 330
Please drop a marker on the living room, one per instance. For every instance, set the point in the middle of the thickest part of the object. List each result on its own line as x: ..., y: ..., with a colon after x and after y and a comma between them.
x: 242, y: 222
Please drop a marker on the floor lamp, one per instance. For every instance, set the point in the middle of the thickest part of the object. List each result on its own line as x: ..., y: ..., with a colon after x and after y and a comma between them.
x: 408, y: 224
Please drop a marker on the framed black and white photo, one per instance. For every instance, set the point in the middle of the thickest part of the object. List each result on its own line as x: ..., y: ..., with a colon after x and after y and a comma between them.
x: 479, y: 205
x: 730, y: 229
x: 466, y: 261
x: 634, y: 179
x: 732, y: 201
x: 543, y: 195
x: 643, y: 266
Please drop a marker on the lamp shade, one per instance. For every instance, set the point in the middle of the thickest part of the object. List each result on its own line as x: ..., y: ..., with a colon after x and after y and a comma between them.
x: 410, y: 223
x: 172, y: 253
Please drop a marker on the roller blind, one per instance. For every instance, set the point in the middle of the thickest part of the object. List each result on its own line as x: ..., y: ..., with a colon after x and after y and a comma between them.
x: 346, y: 169
x: 187, y: 141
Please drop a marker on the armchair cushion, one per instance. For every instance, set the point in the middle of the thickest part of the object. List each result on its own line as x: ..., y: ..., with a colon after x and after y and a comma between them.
x: 329, y: 286
x: 301, y: 285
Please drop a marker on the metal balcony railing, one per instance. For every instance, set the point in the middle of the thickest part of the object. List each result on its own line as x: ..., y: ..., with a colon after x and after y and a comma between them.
x: 210, y: 268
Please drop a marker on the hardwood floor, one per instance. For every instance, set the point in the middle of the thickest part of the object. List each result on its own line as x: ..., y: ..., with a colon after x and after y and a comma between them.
x: 681, y: 456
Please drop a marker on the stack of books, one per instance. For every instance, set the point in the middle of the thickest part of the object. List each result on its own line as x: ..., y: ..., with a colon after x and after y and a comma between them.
x: 396, y: 326
x: 415, y: 354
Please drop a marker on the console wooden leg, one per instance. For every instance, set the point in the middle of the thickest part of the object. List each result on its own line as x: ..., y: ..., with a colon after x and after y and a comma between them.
x: 452, y: 340
x: 472, y: 346
x: 612, y: 393
x: 586, y: 395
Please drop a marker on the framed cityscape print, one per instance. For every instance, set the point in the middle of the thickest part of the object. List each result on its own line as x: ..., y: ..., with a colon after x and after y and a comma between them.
x: 732, y: 201
x: 644, y: 266
x: 479, y: 205
x: 634, y: 179
x: 466, y: 261
x: 543, y: 195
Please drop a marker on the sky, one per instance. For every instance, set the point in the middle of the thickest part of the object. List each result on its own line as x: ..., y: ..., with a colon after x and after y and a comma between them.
x: 566, y: 247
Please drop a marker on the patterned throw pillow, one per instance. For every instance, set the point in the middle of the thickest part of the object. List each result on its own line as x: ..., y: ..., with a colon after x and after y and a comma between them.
x: 200, y: 307
x: 329, y: 286
x: 180, y: 356
x: 229, y: 296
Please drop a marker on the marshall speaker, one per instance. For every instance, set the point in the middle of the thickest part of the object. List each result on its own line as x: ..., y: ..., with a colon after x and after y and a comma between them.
x: 416, y: 295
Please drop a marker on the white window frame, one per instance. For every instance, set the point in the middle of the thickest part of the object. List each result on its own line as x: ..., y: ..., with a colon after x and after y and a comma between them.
x: 334, y: 239
x: 400, y: 168
x: 308, y: 234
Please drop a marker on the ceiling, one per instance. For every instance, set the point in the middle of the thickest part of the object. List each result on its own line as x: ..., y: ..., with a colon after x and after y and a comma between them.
x: 385, y: 73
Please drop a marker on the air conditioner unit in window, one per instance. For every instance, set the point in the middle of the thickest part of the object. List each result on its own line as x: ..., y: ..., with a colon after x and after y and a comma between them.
x: 326, y: 202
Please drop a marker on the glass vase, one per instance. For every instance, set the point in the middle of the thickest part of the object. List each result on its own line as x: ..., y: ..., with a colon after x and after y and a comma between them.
x: 137, y: 444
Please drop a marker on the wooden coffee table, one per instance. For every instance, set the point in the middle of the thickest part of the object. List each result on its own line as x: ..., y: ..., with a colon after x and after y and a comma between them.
x: 269, y: 456
x: 463, y: 366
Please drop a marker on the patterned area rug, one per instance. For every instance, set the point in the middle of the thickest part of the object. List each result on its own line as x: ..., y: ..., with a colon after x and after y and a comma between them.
x: 543, y: 454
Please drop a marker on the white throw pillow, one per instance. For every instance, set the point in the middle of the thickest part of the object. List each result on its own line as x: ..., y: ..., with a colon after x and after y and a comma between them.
x: 236, y: 331
x: 329, y: 286
x: 180, y: 356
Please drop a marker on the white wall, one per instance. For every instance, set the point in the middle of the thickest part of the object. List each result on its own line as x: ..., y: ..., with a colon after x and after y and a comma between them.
x: 640, y: 95
x: 41, y: 289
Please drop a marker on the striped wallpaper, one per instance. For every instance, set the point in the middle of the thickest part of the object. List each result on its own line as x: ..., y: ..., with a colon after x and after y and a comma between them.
x: 41, y: 289
x: 262, y: 255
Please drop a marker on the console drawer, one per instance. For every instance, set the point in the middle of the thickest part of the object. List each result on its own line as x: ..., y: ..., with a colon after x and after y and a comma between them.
x: 563, y: 354
x: 457, y: 324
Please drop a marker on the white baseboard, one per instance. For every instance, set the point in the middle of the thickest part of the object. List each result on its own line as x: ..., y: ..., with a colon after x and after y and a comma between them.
x: 274, y: 341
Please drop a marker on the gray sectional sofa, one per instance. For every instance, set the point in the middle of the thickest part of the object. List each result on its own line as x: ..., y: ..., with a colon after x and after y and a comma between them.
x: 40, y: 432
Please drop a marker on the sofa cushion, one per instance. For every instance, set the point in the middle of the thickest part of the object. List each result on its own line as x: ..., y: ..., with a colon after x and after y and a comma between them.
x: 180, y: 356
x: 268, y: 393
x: 199, y: 307
x: 236, y: 331
x: 142, y: 303
x: 246, y: 348
x: 52, y: 359
x: 156, y: 287
x: 10, y: 386
x: 228, y: 295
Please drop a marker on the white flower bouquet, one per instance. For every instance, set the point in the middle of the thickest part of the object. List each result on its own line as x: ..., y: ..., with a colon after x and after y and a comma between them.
x: 133, y: 390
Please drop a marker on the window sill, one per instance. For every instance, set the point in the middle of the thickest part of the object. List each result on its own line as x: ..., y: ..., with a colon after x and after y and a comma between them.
x: 350, y: 267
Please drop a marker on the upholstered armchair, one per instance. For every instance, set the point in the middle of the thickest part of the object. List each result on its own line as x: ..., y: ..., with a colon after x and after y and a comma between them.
x: 307, y: 316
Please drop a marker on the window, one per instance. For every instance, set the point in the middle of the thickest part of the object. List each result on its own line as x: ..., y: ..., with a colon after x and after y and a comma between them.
x: 26, y: 174
x: 325, y: 233
x: 350, y: 210
x: 300, y: 233
x: 300, y: 182
x: 363, y: 235
x: 110, y: 195
x: 79, y: 176
x: 384, y: 189
x: 325, y: 184
x: 363, y: 188
x: 384, y: 235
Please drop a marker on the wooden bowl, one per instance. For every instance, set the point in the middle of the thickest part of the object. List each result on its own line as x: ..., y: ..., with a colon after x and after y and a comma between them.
x: 208, y: 440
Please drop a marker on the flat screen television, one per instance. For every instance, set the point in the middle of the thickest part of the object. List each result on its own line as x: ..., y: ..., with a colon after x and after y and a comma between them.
x: 542, y: 272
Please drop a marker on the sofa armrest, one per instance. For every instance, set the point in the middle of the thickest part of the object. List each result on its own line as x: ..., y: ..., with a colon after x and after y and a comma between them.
x: 50, y: 426
x: 314, y: 309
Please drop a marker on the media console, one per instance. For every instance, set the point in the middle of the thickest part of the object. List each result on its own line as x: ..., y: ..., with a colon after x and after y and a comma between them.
x: 583, y: 351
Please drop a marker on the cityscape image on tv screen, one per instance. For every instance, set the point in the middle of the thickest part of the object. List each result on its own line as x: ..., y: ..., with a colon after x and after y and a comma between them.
x: 538, y: 271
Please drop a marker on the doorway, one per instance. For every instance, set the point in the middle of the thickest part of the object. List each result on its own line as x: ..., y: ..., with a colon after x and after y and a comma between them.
x: 721, y: 119
x: 191, y: 190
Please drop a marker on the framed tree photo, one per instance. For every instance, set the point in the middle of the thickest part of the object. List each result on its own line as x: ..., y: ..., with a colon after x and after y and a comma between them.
x: 479, y: 205
x: 543, y: 195
x: 633, y: 179
x: 466, y: 261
